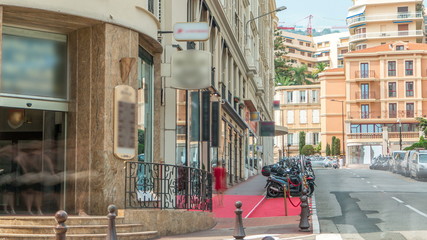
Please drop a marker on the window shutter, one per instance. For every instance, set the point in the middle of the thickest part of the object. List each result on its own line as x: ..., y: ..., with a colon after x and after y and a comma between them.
x: 296, y: 97
x: 316, y: 117
x: 303, y: 116
x: 291, y: 117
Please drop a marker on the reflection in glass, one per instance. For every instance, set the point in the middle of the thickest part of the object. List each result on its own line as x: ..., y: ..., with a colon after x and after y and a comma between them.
x: 181, y: 127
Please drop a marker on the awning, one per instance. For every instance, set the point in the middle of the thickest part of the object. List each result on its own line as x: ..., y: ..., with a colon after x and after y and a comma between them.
x: 356, y: 11
x: 280, y: 130
x: 302, y: 40
x: 402, y: 21
x: 288, y: 37
x: 355, y: 26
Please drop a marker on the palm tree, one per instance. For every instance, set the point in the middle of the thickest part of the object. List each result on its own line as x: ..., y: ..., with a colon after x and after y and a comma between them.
x: 299, y: 75
x: 320, y: 67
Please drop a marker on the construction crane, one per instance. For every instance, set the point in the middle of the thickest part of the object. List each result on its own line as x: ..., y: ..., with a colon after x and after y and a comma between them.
x: 309, y: 26
x: 309, y: 29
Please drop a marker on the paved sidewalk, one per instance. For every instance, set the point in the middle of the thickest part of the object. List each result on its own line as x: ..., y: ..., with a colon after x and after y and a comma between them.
x: 255, y: 228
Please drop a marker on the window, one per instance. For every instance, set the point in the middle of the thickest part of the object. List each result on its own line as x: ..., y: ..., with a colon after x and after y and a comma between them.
x: 308, y: 44
x: 392, y: 89
x: 402, y: 12
x: 316, y: 116
x: 366, y: 128
x: 315, y: 138
x: 288, y: 40
x: 291, y: 50
x: 301, y: 43
x: 344, y: 51
x: 290, y: 97
x: 361, y: 46
x: 364, y: 91
x: 402, y: 31
x: 34, y: 63
x: 410, y: 110
x: 309, y: 65
x: 309, y: 55
x: 302, y: 53
x: 290, y: 116
x: 392, y: 110
x: 290, y: 138
x: 314, y: 96
x: 400, y: 47
x: 364, y: 70
x: 302, y: 97
x: 409, y: 68
x: 409, y: 89
x: 303, y: 116
x: 326, y: 54
x: 392, y: 68
x: 365, y: 111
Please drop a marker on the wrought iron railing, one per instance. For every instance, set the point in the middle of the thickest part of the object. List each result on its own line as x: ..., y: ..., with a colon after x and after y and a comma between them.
x: 164, y: 186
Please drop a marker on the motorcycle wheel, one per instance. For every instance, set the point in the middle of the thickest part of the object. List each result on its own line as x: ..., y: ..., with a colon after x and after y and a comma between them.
x: 272, y: 193
x: 310, y: 189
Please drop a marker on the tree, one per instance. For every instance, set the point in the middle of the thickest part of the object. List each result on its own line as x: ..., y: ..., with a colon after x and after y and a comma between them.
x: 422, y: 124
x: 337, y: 146
x: 320, y: 67
x: 307, y: 150
x: 300, y: 76
x: 422, y: 143
x: 318, y: 148
x: 141, y: 141
x: 282, y: 67
x: 328, y: 150
x: 301, y: 141
x: 333, y: 146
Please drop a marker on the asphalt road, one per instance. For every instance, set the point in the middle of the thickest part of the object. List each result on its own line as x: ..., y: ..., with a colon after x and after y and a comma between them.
x: 370, y: 204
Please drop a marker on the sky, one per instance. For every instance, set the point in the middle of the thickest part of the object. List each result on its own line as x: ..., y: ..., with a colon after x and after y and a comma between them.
x: 327, y: 13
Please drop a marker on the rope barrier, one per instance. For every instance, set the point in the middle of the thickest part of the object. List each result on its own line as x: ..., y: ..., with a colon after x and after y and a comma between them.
x: 294, y: 205
x: 293, y: 184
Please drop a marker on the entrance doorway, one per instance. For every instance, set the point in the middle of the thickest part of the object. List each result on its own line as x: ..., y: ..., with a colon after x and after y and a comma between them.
x: 32, y: 151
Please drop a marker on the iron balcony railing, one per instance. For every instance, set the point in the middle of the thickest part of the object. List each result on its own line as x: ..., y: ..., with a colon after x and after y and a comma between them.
x: 364, y: 74
x: 383, y: 114
x: 387, y: 17
x: 362, y: 95
x: 164, y: 186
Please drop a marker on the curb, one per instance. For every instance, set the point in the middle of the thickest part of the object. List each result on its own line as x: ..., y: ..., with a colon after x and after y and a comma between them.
x: 314, y: 219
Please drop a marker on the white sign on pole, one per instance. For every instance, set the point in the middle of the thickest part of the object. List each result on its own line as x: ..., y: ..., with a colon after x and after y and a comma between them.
x: 191, y: 31
x: 191, y: 69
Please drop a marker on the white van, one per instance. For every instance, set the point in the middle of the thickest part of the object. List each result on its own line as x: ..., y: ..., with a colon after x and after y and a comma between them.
x: 418, y: 164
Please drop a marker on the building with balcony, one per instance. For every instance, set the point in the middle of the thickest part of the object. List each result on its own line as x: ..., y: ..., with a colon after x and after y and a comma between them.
x: 376, y: 22
x: 300, y: 112
x: 328, y: 49
x: 384, y: 94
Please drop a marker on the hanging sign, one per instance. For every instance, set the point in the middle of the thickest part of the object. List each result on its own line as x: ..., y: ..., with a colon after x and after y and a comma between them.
x: 191, y: 31
x: 255, y: 116
x: 276, y: 104
x: 124, y: 122
x: 267, y: 129
x: 191, y: 69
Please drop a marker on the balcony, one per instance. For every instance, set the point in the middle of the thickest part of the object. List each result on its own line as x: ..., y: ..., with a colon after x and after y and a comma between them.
x: 366, y: 96
x: 364, y: 74
x: 405, y: 135
x: 388, y: 17
x: 394, y: 34
x: 403, y: 114
x: 365, y: 136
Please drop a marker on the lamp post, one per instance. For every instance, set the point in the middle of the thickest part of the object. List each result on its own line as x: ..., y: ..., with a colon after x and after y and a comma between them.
x: 400, y: 133
x: 342, y: 120
x: 289, y: 146
x: 263, y: 15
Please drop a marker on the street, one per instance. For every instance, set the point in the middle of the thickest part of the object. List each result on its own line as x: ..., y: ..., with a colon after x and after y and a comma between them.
x: 369, y: 204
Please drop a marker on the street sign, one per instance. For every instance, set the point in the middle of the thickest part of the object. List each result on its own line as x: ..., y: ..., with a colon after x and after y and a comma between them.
x: 191, y: 69
x: 191, y: 31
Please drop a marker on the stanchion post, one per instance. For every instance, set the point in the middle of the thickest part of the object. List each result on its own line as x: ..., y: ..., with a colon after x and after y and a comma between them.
x: 61, y: 229
x: 239, y: 231
x: 304, y: 225
x: 285, y: 190
x: 112, y: 234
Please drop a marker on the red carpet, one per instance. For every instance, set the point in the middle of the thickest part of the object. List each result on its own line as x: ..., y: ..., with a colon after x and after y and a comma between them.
x: 273, y: 207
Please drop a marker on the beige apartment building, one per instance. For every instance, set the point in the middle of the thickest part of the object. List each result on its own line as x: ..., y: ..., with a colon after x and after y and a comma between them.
x: 299, y: 112
x: 384, y: 94
x: 375, y: 22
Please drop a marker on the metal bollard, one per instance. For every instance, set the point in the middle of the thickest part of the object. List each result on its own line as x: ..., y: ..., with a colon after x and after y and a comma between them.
x: 112, y: 234
x: 239, y: 231
x: 268, y: 238
x: 304, y: 225
x: 61, y: 229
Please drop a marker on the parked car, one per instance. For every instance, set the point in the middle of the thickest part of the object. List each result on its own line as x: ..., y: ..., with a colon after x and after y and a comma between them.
x: 418, y: 164
x: 404, y: 165
x: 396, y: 160
x: 317, y: 162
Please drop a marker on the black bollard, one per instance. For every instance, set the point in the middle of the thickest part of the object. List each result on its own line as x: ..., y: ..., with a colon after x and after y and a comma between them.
x: 304, y: 225
x: 239, y: 231
x: 268, y: 238
x: 112, y: 234
x: 61, y: 229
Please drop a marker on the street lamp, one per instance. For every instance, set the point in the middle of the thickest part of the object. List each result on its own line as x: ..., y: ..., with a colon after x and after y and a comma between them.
x: 263, y: 15
x: 289, y: 146
x: 400, y: 133
x: 342, y: 120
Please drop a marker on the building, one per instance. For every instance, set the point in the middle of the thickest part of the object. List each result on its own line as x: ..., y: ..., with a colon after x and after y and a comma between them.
x: 306, y: 50
x: 375, y: 22
x: 384, y: 94
x: 299, y: 112
x: 84, y: 84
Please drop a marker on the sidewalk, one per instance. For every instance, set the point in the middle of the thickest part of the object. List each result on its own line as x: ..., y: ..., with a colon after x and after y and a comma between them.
x: 258, y: 220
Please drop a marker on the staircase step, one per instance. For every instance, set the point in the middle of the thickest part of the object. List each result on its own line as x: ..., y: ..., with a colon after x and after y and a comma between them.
x: 72, y: 229
x: 121, y: 236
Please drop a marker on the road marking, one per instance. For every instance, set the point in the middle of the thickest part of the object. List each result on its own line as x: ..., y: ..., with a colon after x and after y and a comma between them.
x: 374, y: 186
x: 328, y: 237
x: 368, y: 182
x: 253, y: 209
x: 416, y: 210
x: 362, y: 178
x: 398, y: 200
